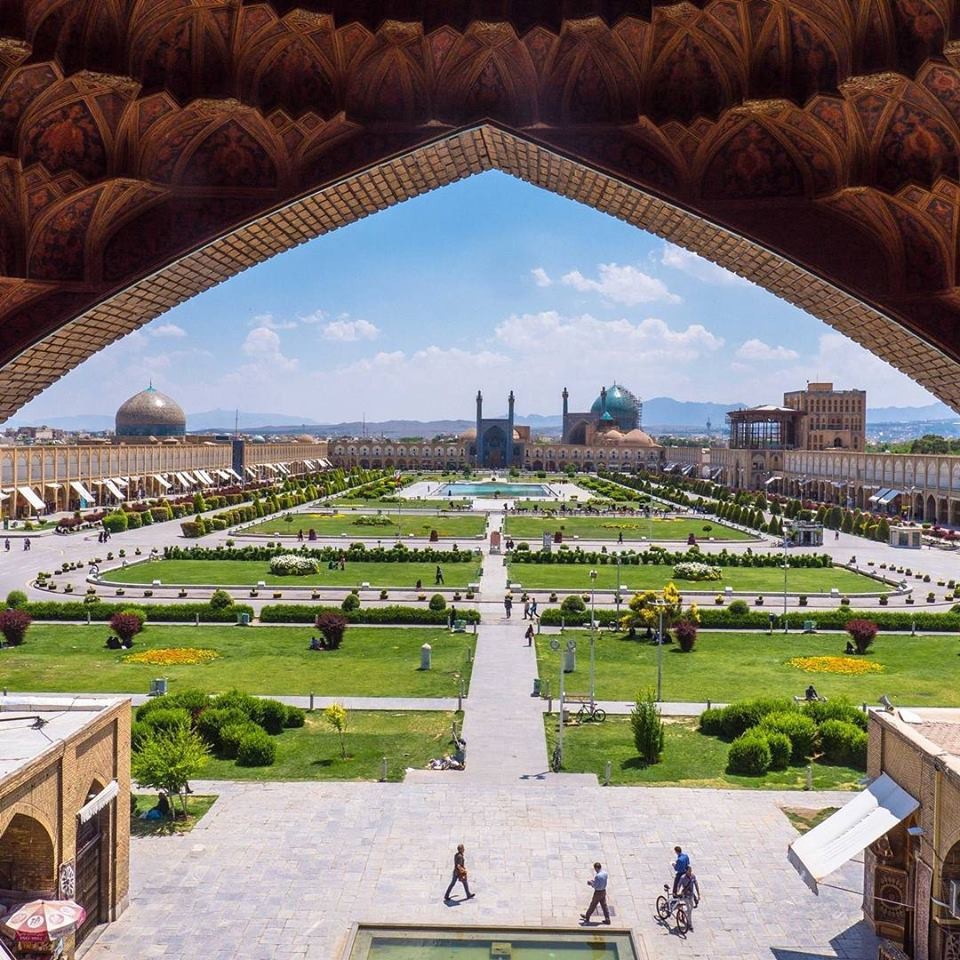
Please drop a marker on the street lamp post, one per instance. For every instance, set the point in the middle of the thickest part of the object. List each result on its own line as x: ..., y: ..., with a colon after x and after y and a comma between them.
x: 617, y: 598
x: 660, y: 604
x: 593, y: 640
x: 786, y: 567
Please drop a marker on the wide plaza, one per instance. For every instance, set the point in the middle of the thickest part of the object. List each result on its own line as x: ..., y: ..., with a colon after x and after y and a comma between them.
x: 282, y: 869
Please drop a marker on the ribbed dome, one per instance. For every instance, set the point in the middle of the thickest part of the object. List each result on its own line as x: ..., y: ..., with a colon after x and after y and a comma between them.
x: 622, y: 406
x: 150, y: 413
x: 640, y: 438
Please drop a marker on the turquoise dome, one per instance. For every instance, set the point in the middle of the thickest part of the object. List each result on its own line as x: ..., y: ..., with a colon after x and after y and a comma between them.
x: 622, y: 406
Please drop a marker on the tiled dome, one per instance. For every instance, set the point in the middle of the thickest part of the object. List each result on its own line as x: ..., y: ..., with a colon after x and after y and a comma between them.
x: 150, y: 413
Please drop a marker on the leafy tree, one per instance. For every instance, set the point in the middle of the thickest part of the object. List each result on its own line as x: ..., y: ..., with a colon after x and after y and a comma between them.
x: 168, y: 761
x: 16, y: 599
x: 883, y: 530
x: 647, y: 727
x: 863, y: 633
x: 834, y: 517
x: 127, y: 624
x: 686, y: 633
x: 775, y: 508
x: 13, y: 626
x: 847, y: 524
x: 333, y: 627
x: 199, y: 504
x: 336, y: 716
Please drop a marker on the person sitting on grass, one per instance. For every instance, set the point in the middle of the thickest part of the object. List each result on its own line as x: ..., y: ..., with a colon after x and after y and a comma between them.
x: 316, y: 644
x: 811, y: 693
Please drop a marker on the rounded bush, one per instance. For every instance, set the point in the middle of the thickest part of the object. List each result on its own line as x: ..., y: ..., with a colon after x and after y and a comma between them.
x: 741, y: 716
x: 840, y: 709
x: 749, y: 755
x: 220, y: 600
x: 800, y: 728
x: 573, y: 604
x: 780, y: 749
x: 738, y: 608
x: 843, y: 743
x: 256, y: 750
x: 350, y: 602
x: 271, y: 715
x: 167, y: 720
x: 211, y: 724
x: 438, y: 602
x: 711, y: 721
x: 233, y: 734
x: 244, y: 702
x: 296, y: 717
x: 139, y: 732
x: 16, y: 598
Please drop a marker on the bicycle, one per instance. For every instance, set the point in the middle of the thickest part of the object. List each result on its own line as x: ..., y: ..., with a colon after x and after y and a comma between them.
x: 668, y: 904
x: 586, y: 713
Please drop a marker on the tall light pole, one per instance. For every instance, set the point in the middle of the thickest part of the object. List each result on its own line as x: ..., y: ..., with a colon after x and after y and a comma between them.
x: 660, y: 604
x: 785, y: 568
x: 617, y: 598
x: 593, y: 641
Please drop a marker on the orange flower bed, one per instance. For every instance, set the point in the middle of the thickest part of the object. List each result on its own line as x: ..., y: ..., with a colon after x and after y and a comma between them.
x: 173, y: 656
x: 850, y: 666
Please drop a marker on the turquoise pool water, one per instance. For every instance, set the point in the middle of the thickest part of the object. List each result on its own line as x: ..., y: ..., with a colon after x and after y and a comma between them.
x: 489, y: 488
x: 386, y: 943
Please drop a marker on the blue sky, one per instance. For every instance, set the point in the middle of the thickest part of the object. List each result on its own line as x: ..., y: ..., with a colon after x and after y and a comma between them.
x: 488, y: 283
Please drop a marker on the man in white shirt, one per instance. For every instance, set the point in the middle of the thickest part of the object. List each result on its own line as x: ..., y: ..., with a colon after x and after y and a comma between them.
x: 599, y: 884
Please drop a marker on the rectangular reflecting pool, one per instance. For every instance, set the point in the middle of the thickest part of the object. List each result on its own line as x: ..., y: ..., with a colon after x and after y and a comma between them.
x: 494, y: 488
x: 481, y: 943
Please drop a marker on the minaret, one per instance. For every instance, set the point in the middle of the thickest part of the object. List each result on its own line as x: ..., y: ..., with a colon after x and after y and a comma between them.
x: 479, y: 433
x: 603, y: 401
x: 509, y: 451
x: 566, y: 397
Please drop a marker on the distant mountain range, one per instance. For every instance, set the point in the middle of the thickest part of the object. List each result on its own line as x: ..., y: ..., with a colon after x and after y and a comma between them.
x: 660, y: 415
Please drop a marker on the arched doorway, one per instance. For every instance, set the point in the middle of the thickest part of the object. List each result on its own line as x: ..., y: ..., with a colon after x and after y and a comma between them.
x: 495, y: 452
x: 27, y: 862
x: 93, y: 865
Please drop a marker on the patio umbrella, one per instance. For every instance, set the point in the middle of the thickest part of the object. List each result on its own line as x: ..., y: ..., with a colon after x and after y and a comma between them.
x: 41, y: 921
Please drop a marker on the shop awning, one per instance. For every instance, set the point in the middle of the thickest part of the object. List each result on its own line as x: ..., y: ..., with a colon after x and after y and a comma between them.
x: 309, y: 464
x: 184, y: 479
x: 236, y: 475
x: 53, y: 486
x: 82, y: 491
x: 118, y: 481
x: 879, y: 495
x: 889, y: 496
x: 283, y: 467
x: 166, y: 484
x: 223, y: 475
x: 251, y: 472
x: 114, y: 489
x: 31, y: 498
x: 204, y: 477
x: 770, y: 480
x: 850, y: 830
x: 92, y: 807
x: 4, y: 495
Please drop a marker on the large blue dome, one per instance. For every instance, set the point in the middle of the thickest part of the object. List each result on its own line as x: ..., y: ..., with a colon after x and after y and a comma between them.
x: 622, y: 406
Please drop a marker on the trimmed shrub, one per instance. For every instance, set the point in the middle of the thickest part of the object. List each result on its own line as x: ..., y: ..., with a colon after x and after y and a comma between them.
x: 750, y: 755
x: 220, y: 600
x: 438, y: 602
x: 711, y: 721
x: 647, y: 727
x: 127, y: 624
x: 303, y: 613
x: 350, y: 602
x: 333, y: 627
x: 296, y: 717
x: 573, y: 604
x: 271, y: 715
x: 138, y: 735
x: 843, y: 743
x: 16, y: 599
x: 212, y: 723
x: 13, y: 626
x: 167, y: 720
x: 233, y: 734
x: 862, y: 633
x: 738, y: 608
x: 800, y: 728
x: 840, y: 709
x: 686, y: 634
x: 780, y: 749
x: 739, y: 717
x: 256, y: 749
x: 115, y: 522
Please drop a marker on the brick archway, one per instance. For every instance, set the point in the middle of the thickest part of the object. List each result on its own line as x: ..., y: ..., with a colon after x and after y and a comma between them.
x: 150, y: 149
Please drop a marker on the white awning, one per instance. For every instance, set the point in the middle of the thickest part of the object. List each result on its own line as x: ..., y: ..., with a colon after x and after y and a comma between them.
x: 309, y: 464
x: 204, y: 477
x: 223, y: 475
x: 251, y: 472
x: 166, y: 484
x: 770, y: 480
x: 850, y: 830
x: 84, y: 493
x: 879, y: 495
x: 31, y: 498
x: 283, y: 467
x: 887, y: 497
x: 234, y: 472
x: 53, y: 486
x: 118, y: 481
x: 4, y: 495
x: 92, y: 807
x: 114, y: 489
x: 184, y: 480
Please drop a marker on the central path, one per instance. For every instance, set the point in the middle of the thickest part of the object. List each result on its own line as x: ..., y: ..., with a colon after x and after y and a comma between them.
x: 503, y: 723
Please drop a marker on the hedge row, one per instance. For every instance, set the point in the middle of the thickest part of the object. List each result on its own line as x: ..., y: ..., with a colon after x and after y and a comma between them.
x: 836, y: 619
x: 302, y: 613
x: 354, y: 552
x: 657, y: 556
x: 154, y: 612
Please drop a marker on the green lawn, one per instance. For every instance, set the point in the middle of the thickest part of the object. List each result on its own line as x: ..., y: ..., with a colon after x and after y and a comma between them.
x: 197, y: 806
x: 634, y: 529
x: 690, y: 759
x: 406, y: 738
x: 760, y: 580
x: 726, y: 665
x: 247, y: 573
x: 373, y: 661
x: 419, y: 525
x: 405, y: 503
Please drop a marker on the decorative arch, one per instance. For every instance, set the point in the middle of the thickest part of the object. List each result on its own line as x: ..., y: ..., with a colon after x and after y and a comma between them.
x: 27, y: 858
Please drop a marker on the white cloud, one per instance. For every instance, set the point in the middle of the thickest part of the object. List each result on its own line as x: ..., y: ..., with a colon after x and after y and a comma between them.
x: 311, y: 319
x: 698, y: 267
x: 621, y: 284
x: 540, y: 277
x: 758, y: 350
x: 345, y: 330
x: 270, y: 322
x: 263, y: 346
x: 167, y: 330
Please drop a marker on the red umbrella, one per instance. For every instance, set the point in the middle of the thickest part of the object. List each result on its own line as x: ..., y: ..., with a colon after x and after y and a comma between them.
x: 41, y: 921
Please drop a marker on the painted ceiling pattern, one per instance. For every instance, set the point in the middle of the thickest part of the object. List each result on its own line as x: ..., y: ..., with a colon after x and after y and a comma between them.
x: 135, y: 132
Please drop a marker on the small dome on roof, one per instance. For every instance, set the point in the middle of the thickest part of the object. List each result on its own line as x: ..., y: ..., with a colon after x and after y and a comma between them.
x: 469, y: 434
x: 639, y: 437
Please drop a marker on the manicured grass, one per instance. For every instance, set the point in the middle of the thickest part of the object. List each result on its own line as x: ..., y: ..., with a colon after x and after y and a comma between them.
x: 197, y: 806
x: 690, y: 759
x: 634, y: 529
x: 373, y: 661
x: 405, y: 503
x: 418, y: 525
x: 804, y: 819
x: 760, y: 580
x: 406, y: 738
x: 727, y: 666
x: 247, y: 573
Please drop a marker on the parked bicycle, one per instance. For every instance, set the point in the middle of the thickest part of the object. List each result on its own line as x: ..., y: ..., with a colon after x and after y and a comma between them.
x: 588, y: 712
x: 668, y: 904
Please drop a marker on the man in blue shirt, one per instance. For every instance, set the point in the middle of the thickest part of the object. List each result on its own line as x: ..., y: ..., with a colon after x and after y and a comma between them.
x: 599, y: 884
x: 679, y: 868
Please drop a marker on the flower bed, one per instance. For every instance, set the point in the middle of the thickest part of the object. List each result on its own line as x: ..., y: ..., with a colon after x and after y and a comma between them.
x: 291, y: 564
x: 843, y: 665
x: 692, y: 570
x: 173, y: 656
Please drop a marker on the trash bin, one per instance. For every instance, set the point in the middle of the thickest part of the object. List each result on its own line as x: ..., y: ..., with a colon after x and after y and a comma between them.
x: 243, y: 619
x: 158, y: 687
x: 536, y: 686
x: 809, y: 626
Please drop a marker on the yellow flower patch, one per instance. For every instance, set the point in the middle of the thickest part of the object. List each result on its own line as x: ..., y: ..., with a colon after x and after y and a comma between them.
x: 173, y: 656
x: 850, y: 666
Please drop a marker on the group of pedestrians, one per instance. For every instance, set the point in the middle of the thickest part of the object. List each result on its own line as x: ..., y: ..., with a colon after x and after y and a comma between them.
x: 6, y: 544
x: 685, y: 886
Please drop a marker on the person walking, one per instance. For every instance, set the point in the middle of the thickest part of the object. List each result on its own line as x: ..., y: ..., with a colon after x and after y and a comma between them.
x: 526, y: 609
x: 459, y: 875
x: 690, y: 894
x: 533, y: 609
x: 679, y: 868
x: 508, y: 604
x: 438, y: 579
x: 6, y: 544
x: 528, y: 636
x: 599, y: 899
